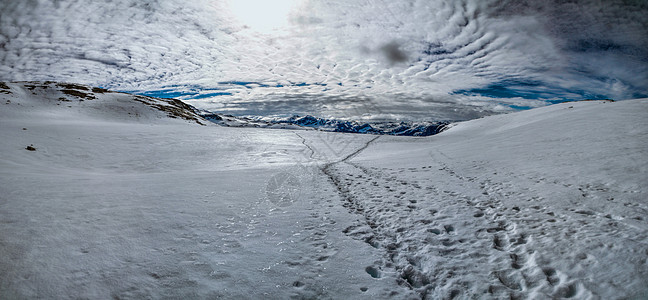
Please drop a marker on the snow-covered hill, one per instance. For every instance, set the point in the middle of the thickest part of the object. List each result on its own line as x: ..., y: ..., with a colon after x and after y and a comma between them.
x: 547, y: 203
x: 69, y: 102
x: 119, y: 199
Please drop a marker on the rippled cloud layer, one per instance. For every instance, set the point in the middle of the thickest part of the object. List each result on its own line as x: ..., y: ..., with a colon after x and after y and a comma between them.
x: 416, y: 59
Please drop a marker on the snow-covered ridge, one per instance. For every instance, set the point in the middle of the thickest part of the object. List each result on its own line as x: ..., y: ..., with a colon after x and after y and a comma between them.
x: 82, y: 99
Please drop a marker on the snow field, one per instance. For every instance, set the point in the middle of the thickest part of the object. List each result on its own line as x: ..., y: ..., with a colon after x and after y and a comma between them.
x: 119, y: 200
x: 112, y: 205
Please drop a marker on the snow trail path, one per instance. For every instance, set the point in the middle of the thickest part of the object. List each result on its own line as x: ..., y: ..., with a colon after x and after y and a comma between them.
x: 120, y: 201
x: 455, y: 237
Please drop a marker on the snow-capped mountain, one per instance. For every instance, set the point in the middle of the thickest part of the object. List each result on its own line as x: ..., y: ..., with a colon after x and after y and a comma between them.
x: 332, y: 125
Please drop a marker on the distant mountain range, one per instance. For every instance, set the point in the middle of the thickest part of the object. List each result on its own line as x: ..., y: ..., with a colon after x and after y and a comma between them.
x: 333, y: 125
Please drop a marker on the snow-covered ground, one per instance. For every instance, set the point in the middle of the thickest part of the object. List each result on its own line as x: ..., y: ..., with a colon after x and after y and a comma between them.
x: 119, y: 200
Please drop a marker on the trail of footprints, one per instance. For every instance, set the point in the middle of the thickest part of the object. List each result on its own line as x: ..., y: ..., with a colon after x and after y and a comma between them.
x: 439, y: 243
x: 512, y: 236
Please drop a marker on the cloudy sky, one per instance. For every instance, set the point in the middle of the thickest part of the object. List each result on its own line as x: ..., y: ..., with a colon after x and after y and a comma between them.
x: 403, y: 59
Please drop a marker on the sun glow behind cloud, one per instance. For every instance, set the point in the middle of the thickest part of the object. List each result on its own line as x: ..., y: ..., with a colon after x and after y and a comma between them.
x: 262, y: 16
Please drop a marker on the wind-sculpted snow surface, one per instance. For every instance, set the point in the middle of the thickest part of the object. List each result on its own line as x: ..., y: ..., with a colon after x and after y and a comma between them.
x: 106, y: 196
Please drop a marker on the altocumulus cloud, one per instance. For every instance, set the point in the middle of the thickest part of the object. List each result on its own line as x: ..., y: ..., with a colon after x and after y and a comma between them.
x: 454, y: 59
